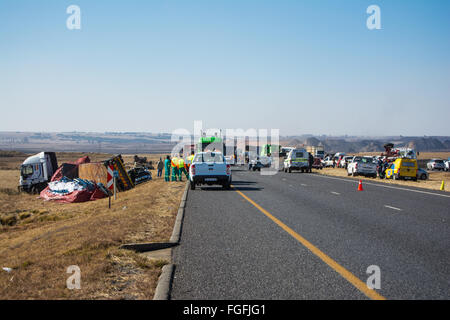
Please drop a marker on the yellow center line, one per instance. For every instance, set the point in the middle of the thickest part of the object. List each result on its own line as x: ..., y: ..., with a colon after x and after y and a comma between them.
x: 361, y: 286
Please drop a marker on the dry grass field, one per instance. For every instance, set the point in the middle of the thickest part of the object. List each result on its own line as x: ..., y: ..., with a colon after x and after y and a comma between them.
x: 433, y: 183
x: 40, y: 240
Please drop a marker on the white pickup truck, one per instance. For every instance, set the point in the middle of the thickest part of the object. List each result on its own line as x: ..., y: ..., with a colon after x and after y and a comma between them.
x: 363, y: 166
x: 210, y: 168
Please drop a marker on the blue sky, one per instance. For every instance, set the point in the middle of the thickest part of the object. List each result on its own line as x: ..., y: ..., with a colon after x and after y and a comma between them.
x: 300, y: 66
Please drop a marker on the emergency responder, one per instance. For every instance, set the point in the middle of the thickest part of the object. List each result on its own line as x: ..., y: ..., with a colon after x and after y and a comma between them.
x: 175, y: 171
x: 167, y: 168
x: 182, y: 168
x: 190, y: 159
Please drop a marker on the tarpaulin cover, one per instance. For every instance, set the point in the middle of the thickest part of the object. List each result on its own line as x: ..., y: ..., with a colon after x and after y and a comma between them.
x: 72, y: 191
x: 69, y: 169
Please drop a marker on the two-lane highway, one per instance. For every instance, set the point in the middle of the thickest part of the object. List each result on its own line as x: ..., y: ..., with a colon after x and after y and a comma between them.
x: 307, y: 236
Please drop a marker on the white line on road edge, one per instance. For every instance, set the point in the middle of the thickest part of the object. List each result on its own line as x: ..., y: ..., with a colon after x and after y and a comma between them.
x: 392, y: 207
x: 379, y: 185
x: 303, y: 184
x: 337, y: 193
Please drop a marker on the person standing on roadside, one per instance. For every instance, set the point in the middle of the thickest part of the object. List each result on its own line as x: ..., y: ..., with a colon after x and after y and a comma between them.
x: 310, y: 161
x: 160, y: 167
x: 175, y: 172
x: 167, y: 164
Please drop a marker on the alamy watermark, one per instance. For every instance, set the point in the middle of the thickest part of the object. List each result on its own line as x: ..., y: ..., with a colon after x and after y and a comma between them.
x: 374, y: 280
x: 374, y: 20
x: 74, y: 281
x: 244, y: 144
x: 73, y: 22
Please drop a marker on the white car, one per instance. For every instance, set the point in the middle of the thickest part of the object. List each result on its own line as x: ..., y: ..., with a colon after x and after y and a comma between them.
x: 328, y: 162
x: 436, y: 164
x: 362, y: 166
x: 210, y: 168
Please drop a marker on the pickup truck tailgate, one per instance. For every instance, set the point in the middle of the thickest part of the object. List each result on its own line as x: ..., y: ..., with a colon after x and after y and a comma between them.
x: 210, y: 169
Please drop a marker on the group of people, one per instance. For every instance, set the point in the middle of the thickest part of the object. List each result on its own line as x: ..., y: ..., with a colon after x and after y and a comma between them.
x: 177, y: 165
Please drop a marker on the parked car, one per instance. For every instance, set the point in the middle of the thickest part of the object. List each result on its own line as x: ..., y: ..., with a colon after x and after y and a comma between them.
x: 210, y: 168
x: 422, y: 174
x: 345, y: 161
x: 436, y: 164
x: 328, y: 162
x: 362, y: 166
x: 402, y: 168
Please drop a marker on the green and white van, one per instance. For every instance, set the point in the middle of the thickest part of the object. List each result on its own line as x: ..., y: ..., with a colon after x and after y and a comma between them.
x: 297, y: 159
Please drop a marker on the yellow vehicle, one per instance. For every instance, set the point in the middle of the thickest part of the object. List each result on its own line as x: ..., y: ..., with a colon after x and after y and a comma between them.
x: 402, y: 168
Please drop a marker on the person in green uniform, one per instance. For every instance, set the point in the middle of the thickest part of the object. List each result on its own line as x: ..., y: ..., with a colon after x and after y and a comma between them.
x: 175, y: 171
x: 167, y: 169
x: 182, y: 168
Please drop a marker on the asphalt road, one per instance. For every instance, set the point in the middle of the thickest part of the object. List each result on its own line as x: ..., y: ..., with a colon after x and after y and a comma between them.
x: 230, y: 249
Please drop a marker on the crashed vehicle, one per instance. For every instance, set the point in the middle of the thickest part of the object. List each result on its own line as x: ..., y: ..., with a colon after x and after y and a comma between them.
x: 139, y: 175
x: 36, y: 171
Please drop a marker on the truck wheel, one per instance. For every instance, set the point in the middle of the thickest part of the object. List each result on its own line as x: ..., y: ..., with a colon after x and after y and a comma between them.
x: 192, y: 185
x: 423, y: 176
x: 226, y: 186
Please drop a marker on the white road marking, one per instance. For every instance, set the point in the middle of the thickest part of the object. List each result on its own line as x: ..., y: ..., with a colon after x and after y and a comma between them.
x: 303, y: 184
x: 380, y: 185
x: 392, y: 207
x: 337, y: 193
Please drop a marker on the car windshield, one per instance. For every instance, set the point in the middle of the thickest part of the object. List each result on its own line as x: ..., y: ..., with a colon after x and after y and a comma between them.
x: 27, y: 170
x: 209, y: 157
x: 439, y: 161
x: 366, y: 160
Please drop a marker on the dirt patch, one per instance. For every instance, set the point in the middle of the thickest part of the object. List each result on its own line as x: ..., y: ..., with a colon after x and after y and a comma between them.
x: 42, y: 239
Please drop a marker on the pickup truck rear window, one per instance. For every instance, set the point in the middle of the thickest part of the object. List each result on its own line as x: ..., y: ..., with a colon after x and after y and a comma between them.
x: 299, y: 155
x: 209, y: 157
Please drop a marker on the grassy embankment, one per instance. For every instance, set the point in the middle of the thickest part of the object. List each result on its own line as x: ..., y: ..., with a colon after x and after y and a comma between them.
x: 40, y: 240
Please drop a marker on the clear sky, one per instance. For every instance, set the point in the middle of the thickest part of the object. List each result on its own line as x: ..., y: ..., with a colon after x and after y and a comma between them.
x: 157, y: 65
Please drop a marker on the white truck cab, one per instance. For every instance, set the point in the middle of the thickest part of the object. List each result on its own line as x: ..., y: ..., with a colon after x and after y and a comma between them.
x: 36, y: 171
x: 296, y: 159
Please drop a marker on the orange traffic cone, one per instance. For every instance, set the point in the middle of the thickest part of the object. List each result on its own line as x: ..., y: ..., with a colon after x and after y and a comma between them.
x: 360, y: 188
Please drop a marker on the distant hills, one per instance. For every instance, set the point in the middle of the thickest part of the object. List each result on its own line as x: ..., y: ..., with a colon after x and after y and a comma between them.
x: 137, y: 142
